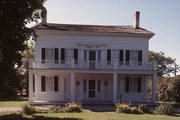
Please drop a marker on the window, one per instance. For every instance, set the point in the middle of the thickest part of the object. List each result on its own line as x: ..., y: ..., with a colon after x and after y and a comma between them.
x: 121, y: 57
x: 49, y: 55
x: 127, y: 57
x: 76, y: 55
x: 133, y: 84
x: 56, y: 83
x: 49, y: 83
x: 33, y: 83
x: 56, y: 56
x: 127, y: 84
x: 62, y: 55
x: 108, y: 56
x: 84, y: 82
x: 134, y: 57
x: 43, y: 83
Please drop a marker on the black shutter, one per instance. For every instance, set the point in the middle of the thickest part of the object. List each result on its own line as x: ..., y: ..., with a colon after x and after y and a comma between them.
x: 139, y: 84
x: 108, y: 55
x: 99, y: 85
x: 127, y: 84
x: 43, y: 55
x: 33, y: 83
x: 121, y: 56
x: 127, y: 56
x: 56, y: 83
x: 84, y: 84
x: 139, y: 57
x: 43, y: 87
x: 62, y: 54
x: 76, y: 54
x: 56, y: 56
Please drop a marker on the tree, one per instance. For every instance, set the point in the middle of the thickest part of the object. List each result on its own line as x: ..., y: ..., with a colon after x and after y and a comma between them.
x: 168, y: 89
x: 165, y: 64
x: 14, y: 17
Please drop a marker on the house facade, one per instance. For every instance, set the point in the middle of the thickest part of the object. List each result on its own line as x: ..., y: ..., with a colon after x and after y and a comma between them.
x: 91, y: 64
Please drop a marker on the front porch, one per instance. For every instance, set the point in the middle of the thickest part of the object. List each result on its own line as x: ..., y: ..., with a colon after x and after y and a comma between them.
x: 91, y: 88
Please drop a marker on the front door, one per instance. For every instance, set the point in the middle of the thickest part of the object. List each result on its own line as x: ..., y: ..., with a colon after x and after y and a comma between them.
x: 92, y: 89
x: 92, y: 59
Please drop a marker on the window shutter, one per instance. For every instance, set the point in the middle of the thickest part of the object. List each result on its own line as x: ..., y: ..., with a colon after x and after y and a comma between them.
x: 108, y: 55
x: 56, y: 56
x: 33, y: 83
x: 43, y: 55
x: 62, y: 54
x: 127, y: 84
x: 84, y: 84
x: 56, y: 83
x: 139, y: 57
x: 127, y: 57
x: 139, y: 84
x: 76, y: 54
x: 121, y: 56
x: 43, y: 83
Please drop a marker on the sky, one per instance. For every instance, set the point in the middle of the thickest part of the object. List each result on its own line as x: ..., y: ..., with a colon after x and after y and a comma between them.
x: 159, y: 16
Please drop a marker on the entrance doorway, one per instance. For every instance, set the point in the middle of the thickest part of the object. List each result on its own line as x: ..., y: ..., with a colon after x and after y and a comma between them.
x: 92, y: 89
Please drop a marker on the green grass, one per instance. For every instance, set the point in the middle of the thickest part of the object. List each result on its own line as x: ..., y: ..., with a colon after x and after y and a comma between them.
x: 88, y: 115
x: 14, y: 102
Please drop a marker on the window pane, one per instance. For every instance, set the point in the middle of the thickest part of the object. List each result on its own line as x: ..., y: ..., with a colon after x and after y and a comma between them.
x: 49, y: 83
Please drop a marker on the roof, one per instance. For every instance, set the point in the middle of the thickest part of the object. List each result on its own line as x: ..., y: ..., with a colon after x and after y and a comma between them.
x: 93, y: 28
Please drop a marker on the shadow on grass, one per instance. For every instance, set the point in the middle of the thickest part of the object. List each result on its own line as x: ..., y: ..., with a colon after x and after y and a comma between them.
x: 20, y: 117
x: 19, y: 98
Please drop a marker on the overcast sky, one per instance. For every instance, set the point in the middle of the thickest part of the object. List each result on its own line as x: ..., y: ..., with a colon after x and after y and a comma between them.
x: 159, y: 16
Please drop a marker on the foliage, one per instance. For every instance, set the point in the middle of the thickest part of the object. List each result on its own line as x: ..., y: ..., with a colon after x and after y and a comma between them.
x: 168, y: 89
x: 73, y: 107
x: 165, y: 109
x: 29, y: 110
x: 68, y: 108
x: 15, y: 15
x: 123, y: 108
x: 135, y: 110
x: 143, y: 108
x: 166, y: 65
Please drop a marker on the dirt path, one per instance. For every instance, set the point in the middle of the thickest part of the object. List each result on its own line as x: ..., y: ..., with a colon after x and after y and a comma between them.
x: 6, y: 109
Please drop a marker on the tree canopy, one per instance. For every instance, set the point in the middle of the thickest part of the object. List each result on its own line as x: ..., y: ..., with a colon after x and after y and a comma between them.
x: 166, y: 65
x: 14, y: 17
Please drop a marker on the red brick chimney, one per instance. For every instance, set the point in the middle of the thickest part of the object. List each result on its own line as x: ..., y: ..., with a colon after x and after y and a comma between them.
x: 136, y: 19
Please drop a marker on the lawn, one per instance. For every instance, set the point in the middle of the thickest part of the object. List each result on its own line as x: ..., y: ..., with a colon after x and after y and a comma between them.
x: 15, y: 102
x: 87, y: 115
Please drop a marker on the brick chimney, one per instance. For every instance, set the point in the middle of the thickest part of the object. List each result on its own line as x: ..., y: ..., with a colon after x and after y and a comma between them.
x: 44, y: 16
x: 136, y: 19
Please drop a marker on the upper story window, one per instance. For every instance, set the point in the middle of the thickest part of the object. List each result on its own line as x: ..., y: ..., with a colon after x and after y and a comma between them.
x: 121, y: 57
x: 133, y: 57
x: 50, y: 55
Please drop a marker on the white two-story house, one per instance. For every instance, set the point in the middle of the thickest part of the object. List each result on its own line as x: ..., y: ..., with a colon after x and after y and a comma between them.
x: 91, y: 64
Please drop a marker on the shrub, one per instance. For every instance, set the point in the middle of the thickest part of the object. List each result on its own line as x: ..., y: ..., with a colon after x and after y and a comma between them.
x: 143, y: 108
x: 28, y: 110
x: 57, y: 109
x: 125, y: 108
x: 135, y: 110
x: 165, y: 109
x: 73, y: 107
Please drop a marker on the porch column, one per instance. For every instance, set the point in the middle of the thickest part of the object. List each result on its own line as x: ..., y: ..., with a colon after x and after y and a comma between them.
x: 146, y: 87
x: 154, y: 87
x: 114, y: 87
x: 72, y: 87
x: 30, y: 87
